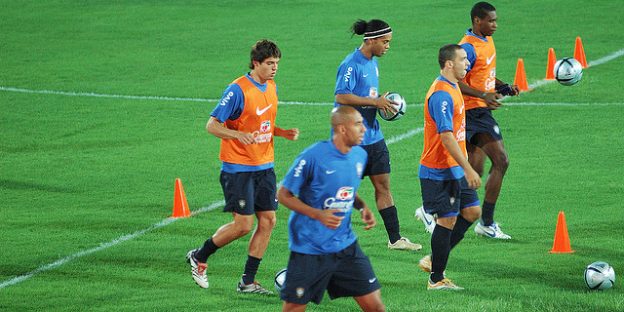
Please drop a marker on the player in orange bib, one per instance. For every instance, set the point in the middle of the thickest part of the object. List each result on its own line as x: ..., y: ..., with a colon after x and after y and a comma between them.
x: 447, y: 179
x: 244, y: 120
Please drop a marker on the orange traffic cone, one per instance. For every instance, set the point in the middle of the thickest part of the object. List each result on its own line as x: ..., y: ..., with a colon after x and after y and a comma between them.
x: 520, y: 79
x: 579, y: 52
x: 180, y: 205
x: 550, y: 66
x: 562, y: 240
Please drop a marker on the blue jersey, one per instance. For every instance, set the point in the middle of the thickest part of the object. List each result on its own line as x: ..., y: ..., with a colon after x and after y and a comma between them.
x: 230, y: 107
x: 324, y: 178
x: 359, y: 76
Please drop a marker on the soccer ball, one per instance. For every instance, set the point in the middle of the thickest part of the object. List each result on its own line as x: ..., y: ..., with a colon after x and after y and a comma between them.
x: 279, y: 280
x: 599, y: 275
x: 568, y: 71
x: 398, y: 103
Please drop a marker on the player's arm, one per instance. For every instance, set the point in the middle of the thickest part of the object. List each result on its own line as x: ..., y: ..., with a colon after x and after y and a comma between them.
x: 218, y: 129
x: 490, y: 98
x: 506, y: 89
x: 367, y: 215
x: 289, y: 134
x: 325, y: 216
x: 451, y: 145
x: 353, y: 100
x: 229, y: 107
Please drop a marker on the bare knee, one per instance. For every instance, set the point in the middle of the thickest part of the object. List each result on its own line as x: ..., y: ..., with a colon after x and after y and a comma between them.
x: 471, y: 214
x: 501, y: 162
x: 242, y: 227
x: 267, y: 222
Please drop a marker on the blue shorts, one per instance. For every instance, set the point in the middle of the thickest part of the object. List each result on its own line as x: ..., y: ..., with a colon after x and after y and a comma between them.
x: 248, y: 192
x: 347, y: 273
x: 445, y: 198
x: 378, y: 158
x: 480, y: 120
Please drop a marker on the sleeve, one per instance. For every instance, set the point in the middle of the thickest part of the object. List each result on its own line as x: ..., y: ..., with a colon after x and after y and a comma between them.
x: 441, y: 110
x: 346, y: 79
x: 471, y: 53
x: 300, y: 172
x: 231, y: 104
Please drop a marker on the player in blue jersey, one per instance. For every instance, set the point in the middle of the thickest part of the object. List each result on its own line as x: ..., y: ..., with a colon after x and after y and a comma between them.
x: 357, y: 84
x: 321, y: 190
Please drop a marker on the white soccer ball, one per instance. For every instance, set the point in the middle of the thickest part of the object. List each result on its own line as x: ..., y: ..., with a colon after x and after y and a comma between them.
x: 279, y: 280
x: 568, y: 71
x: 399, y: 104
x: 599, y: 275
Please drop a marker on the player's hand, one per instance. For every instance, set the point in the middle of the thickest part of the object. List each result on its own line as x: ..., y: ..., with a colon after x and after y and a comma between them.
x: 245, y: 138
x: 368, y: 217
x: 473, y: 179
x: 291, y: 134
x: 507, y: 90
x: 384, y: 104
x: 491, y: 100
x: 329, y: 219
x: 515, y: 89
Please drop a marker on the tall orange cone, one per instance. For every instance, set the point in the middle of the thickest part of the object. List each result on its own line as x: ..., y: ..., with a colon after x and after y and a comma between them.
x: 180, y: 205
x: 550, y: 66
x: 579, y: 52
x: 520, y: 79
x: 562, y: 240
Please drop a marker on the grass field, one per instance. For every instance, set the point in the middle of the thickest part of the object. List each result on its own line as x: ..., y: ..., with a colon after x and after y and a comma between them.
x: 87, y: 167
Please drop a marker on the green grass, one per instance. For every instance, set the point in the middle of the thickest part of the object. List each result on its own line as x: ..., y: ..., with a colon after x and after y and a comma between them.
x: 77, y: 172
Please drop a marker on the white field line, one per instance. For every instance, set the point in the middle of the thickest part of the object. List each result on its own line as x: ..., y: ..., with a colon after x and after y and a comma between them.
x: 220, y: 203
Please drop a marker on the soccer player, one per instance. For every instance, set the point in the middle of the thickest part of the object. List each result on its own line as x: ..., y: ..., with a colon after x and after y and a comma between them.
x: 357, y: 84
x: 447, y: 180
x: 321, y: 190
x: 482, y: 90
x: 244, y: 120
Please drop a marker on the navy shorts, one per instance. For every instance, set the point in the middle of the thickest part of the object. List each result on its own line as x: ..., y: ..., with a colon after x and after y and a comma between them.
x: 480, y: 120
x: 445, y: 198
x: 378, y: 158
x: 248, y: 192
x: 347, y: 273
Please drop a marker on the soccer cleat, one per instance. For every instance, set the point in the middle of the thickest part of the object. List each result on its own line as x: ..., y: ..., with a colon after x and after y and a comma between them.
x: 404, y: 244
x: 425, y: 263
x: 427, y: 219
x: 491, y: 231
x: 198, y: 269
x: 253, y: 288
x: 444, y: 284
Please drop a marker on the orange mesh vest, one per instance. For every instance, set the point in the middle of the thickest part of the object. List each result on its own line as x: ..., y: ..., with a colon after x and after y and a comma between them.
x: 434, y: 153
x: 258, y: 117
x: 482, y: 75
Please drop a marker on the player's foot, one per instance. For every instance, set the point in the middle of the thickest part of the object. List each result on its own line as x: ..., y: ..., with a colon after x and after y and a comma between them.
x: 404, y: 244
x: 491, y: 231
x: 253, y: 288
x: 444, y: 284
x: 198, y: 269
x: 425, y: 263
x: 427, y: 219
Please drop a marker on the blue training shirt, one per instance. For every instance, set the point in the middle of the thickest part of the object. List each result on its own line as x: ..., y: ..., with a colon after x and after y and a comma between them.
x: 324, y: 178
x: 231, y: 107
x: 360, y: 76
x: 441, y: 108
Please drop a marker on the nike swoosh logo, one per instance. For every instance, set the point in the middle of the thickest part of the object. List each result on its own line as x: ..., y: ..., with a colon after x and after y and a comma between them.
x: 261, y: 111
x: 365, y: 75
x: 330, y: 171
x: 490, y: 59
x: 372, y: 280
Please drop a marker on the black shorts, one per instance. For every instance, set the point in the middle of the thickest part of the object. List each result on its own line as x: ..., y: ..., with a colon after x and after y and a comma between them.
x: 445, y: 198
x: 378, y: 158
x: 347, y: 273
x: 480, y: 120
x: 248, y: 192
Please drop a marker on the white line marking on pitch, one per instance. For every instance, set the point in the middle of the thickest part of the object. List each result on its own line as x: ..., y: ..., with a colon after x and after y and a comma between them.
x: 217, y: 204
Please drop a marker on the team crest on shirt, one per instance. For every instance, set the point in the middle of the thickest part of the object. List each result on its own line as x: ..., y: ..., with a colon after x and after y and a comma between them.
x: 372, y: 92
x: 359, y: 167
x: 241, y: 203
x: 264, y: 134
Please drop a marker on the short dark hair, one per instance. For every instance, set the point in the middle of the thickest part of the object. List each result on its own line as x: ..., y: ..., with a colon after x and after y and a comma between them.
x: 262, y: 50
x: 447, y: 53
x: 481, y: 10
x: 361, y: 26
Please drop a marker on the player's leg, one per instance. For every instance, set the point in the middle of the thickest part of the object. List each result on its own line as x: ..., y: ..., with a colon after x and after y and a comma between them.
x: 371, y: 302
x: 469, y: 212
x: 265, y: 206
x: 476, y: 158
x: 307, y: 277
